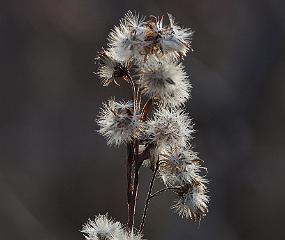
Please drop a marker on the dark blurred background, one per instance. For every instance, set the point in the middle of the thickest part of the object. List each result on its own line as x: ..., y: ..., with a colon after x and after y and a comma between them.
x: 56, y: 171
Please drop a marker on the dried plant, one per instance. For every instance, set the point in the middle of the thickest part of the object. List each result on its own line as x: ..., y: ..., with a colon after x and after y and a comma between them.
x: 157, y: 132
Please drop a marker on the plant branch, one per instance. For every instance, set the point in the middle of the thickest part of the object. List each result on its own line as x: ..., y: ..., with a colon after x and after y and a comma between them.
x: 133, y: 182
x: 163, y: 190
x: 148, y: 196
x: 130, y: 184
x: 136, y: 177
x: 132, y: 171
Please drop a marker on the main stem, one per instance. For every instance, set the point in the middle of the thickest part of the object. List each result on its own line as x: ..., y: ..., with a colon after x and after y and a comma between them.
x: 135, y: 159
x: 133, y: 165
x: 130, y: 185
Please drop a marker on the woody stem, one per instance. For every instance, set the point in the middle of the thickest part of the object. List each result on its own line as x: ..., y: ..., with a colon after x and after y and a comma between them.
x: 132, y: 165
x: 130, y: 161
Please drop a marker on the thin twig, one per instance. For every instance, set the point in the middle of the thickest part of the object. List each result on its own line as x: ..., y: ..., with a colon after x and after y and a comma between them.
x: 163, y: 190
x: 136, y: 177
x: 148, y: 196
x: 133, y: 182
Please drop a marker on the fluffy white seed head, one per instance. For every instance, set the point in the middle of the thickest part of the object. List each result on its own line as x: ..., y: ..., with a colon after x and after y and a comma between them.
x: 180, y: 167
x: 110, y: 70
x: 174, y: 39
x: 102, y: 228
x: 165, y: 81
x: 117, y: 122
x: 137, y: 38
x: 193, y: 204
x: 128, y: 39
x: 169, y: 127
x: 105, y: 228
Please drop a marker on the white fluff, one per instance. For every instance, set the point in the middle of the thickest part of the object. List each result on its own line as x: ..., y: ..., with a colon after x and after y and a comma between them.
x: 165, y: 81
x: 104, y: 228
x: 192, y: 204
x: 169, y: 127
x: 128, y: 39
x: 175, y: 39
x: 117, y: 122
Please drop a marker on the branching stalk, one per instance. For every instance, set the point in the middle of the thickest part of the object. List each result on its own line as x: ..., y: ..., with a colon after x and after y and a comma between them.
x: 148, y: 196
x: 163, y: 190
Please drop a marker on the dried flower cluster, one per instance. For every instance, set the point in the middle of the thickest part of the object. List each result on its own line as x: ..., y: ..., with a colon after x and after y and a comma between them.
x: 147, y: 54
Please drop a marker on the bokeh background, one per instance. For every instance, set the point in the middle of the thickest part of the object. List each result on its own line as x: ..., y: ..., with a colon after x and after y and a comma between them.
x: 56, y: 171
